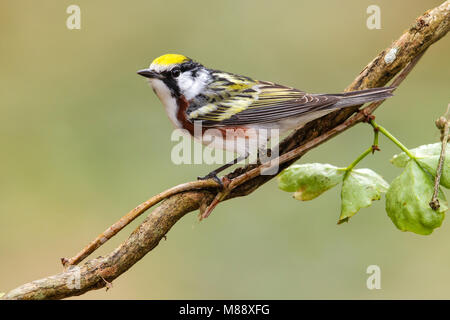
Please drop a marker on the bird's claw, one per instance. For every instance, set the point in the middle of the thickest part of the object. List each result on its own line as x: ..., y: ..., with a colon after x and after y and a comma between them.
x: 212, y: 175
x: 205, y: 210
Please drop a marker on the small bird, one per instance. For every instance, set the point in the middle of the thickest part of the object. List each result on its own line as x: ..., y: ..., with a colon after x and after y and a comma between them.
x: 193, y: 94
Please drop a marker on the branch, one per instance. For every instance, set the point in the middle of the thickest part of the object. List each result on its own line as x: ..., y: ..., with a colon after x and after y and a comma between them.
x: 96, y: 273
x: 133, y: 214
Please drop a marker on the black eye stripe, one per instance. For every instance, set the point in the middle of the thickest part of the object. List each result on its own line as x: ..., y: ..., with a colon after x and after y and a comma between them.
x: 187, y: 66
x: 175, y: 72
x: 166, y: 74
x: 171, y: 81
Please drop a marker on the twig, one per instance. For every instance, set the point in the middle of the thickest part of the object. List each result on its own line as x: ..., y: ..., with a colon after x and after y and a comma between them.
x: 133, y: 214
x: 427, y: 29
x: 442, y: 124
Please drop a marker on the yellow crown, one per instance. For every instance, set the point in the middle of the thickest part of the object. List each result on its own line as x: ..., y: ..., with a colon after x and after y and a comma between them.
x: 169, y: 59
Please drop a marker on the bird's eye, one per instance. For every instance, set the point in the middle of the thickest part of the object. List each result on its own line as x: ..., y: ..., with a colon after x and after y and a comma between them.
x: 175, y: 72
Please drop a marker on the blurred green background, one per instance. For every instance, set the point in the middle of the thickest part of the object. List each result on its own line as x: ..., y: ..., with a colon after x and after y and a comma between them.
x: 84, y: 139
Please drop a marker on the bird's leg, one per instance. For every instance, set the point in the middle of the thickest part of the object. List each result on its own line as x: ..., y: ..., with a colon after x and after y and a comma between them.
x: 213, y: 174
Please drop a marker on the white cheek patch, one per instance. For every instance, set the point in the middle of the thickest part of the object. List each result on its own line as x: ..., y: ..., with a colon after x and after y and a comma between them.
x: 190, y: 86
x: 185, y: 83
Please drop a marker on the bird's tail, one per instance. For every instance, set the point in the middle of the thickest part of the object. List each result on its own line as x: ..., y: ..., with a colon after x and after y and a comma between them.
x: 355, y: 98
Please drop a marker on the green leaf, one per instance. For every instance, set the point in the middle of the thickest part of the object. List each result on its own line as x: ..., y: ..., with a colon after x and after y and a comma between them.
x: 407, y: 201
x: 360, y: 188
x: 428, y: 157
x: 310, y: 180
x: 428, y: 150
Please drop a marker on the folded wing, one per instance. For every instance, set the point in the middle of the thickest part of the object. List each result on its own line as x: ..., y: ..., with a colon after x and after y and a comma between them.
x: 256, y: 102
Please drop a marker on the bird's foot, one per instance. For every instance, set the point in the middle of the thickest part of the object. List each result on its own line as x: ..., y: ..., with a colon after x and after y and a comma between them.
x: 212, y: 175
x: 205, y: 209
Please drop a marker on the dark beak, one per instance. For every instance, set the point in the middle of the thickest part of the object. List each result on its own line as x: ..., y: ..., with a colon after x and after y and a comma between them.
x: 147, y: 73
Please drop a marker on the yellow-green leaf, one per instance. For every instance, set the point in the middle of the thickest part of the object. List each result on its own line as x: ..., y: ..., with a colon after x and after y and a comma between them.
x: 407, y: 201
x: 360, y: 188
x: 310, y: 180
x: 428, y: 158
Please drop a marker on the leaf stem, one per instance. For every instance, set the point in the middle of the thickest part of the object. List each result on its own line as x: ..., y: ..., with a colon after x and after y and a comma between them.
x: 375, y: 140
x: 357, y: 160
x: 371, y: 149
x: 381, y: 129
